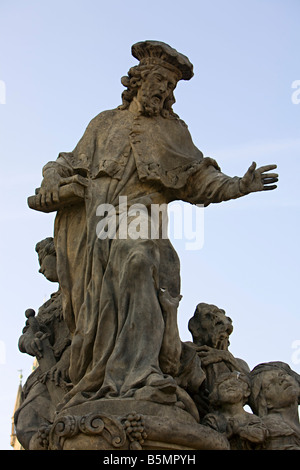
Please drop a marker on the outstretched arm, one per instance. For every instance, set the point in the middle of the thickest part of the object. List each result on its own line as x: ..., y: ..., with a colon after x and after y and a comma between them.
x: 209, y: 185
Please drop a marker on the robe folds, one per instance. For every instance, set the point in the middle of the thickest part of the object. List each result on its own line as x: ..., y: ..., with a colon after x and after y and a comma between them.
x: 110, y: 286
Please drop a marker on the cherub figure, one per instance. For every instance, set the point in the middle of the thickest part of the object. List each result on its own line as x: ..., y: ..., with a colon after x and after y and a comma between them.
x: 275, y: 397
x: 46, y: 337
x: 245, y: 431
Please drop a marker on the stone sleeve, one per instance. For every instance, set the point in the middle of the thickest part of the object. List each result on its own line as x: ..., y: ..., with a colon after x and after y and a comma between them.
x: 207, y: 184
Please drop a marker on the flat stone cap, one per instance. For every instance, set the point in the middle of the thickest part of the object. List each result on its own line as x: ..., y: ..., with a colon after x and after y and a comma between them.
x: 159, y: 53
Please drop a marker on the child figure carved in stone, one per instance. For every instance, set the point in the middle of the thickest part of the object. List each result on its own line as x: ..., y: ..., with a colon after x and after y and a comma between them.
x: 244, y: 430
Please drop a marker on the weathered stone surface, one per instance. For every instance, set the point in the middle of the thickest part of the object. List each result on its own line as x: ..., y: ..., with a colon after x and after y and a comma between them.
x: 275, y: 396
x: 244, y: 430
x: 131, y: 424
x: 113, y: 372
x: 46, y: 337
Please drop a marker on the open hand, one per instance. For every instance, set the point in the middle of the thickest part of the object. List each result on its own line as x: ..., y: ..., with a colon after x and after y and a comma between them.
x: 258, y: 180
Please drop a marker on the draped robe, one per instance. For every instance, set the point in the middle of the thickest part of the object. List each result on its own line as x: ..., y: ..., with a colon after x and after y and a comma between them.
x: 110, y: 286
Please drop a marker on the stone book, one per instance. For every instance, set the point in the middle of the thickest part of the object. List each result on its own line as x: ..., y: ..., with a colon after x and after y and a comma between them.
x: 69, y: 194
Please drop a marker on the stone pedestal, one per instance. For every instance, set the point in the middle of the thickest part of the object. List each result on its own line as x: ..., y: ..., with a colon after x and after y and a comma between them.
x: 129, y: 424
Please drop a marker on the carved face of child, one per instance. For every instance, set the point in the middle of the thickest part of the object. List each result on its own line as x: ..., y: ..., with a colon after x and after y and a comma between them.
x: 232, y: 390
x: 157, y: 86
x: 48, y: 267
x: 279, y: 389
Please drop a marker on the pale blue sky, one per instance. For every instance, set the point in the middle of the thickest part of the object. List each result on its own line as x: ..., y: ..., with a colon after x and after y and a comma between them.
x: 62, y: 61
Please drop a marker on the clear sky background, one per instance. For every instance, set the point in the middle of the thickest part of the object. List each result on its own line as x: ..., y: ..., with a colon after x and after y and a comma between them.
x: 61, y: 64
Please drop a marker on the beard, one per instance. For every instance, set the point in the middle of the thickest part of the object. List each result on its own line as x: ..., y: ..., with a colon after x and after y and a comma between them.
x: 152, y: 104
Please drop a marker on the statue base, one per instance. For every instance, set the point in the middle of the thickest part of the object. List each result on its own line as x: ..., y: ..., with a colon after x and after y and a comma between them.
x: 129, y: 424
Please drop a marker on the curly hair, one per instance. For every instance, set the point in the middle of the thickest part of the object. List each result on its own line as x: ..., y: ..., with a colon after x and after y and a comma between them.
x: 45, y: 247
x: 132, y: 82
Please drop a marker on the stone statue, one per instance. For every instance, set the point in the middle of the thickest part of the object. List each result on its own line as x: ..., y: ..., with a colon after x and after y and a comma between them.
x: 210, y: 329
x: 46, y: 337
x: 245, y: 431
x: 136, y: 158
x: 275, y: 398
x: 143, y: 151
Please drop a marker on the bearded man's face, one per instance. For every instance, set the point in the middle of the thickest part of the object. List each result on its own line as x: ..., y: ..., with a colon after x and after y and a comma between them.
x: 157, y: 86
x: 218, y: 328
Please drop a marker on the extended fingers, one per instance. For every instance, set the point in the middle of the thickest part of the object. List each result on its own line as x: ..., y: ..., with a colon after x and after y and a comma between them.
x: 269, y: 175
x: 264, y: 168
x: 271, y: 178
x: 268, y: 179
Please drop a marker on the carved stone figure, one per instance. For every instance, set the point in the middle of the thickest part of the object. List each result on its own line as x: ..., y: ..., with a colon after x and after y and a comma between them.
x: 143, y: 151
x: 245, y: 431
x: 178, y: 358
x: 275, y: 398
x: 210, y: 328
x: 120, y: 285
x: 46, y: 337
